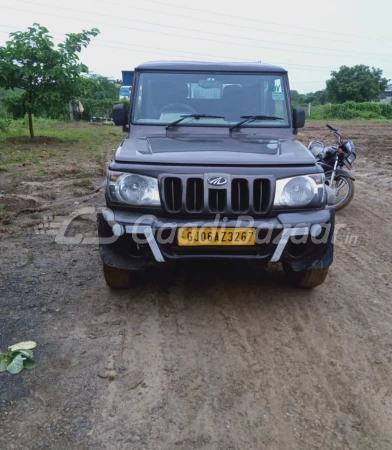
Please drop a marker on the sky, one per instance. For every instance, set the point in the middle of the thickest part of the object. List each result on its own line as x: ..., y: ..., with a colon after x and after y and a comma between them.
x: 309, y: 38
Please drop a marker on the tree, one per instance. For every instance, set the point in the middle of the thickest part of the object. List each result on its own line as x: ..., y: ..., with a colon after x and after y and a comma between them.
x: 359, y: 84
x: 294, y: 96
x: 49, y: 76
x: 101, y: 87
x: 317, y: 98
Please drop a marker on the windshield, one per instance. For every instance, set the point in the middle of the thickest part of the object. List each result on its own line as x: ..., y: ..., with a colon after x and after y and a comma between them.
x: 163, y: 98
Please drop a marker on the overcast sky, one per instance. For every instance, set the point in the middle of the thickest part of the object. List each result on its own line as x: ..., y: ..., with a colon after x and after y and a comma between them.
x: 307, y: 37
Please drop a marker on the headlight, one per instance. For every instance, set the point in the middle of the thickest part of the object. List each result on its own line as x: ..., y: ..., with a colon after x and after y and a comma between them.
x: 306, y: 190
x: 351, y: 158
x: 133, y: 189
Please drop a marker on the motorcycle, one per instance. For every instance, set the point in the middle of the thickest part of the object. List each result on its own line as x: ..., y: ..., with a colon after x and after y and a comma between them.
x: 339, y: 182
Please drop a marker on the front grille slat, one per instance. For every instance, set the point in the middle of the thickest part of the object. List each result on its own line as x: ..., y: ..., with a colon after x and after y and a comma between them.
x: 172, y: 189
x: 240, y: 195
x: 217, y: 200
x: 261, y: 201
x: 261, y: 195
x: 261, y: 198
x: 194, y: 197
x: 173, y: 193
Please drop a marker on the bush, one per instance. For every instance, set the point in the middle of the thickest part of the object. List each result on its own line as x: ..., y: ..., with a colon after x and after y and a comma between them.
x: 352, y: 110
x: 4, y: 124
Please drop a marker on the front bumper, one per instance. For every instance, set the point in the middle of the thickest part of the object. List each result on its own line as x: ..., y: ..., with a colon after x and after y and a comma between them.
x: 134, y: 242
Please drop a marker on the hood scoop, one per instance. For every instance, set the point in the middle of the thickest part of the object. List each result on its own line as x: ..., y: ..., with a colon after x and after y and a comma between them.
x: 156, y: 145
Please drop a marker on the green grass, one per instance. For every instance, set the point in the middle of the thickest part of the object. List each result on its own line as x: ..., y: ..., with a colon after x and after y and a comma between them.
x: 2, y: 208
x: 56, y: 141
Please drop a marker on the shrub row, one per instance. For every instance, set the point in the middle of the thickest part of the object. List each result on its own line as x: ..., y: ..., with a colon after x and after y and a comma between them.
x: 352, y: 110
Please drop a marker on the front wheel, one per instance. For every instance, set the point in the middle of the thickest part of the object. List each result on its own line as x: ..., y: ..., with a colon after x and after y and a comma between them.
x: 344, y: 190
x: 116, y: 278
x: 306, y: 279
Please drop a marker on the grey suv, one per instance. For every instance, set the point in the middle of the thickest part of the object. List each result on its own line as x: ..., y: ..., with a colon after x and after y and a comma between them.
x: 209, y: 169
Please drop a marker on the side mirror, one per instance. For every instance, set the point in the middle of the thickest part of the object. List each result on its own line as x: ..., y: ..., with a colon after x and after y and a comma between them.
x: 120, y: 116
x: 298, y: 118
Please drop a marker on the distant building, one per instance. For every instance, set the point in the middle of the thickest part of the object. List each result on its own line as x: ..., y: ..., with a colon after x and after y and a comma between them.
x: 387, y: 95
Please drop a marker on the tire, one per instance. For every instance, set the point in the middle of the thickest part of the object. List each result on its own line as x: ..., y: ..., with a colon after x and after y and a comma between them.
x: 350, y: 192
x: 116, y: 278
x: 306, y: 279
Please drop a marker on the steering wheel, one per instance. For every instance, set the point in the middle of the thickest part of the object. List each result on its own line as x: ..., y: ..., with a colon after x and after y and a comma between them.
x: 177, y: 108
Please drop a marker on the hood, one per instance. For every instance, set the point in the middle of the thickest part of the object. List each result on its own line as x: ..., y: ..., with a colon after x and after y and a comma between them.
x: 213, y: 151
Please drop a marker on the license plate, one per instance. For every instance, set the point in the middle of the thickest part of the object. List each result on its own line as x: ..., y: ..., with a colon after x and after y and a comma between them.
x: 216, y: 236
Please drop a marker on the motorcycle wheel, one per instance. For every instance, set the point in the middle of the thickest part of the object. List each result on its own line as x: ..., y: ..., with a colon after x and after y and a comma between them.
x: 344, y: 188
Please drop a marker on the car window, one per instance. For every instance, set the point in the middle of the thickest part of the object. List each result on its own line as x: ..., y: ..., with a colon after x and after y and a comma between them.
x: 165, y: 97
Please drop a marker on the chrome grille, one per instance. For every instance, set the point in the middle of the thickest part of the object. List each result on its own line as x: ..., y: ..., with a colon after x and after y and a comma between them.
x: 192, y: 194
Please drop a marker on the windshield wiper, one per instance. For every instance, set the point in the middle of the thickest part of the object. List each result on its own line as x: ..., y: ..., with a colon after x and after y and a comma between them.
x: 194, y: 116
x: 248, y: 119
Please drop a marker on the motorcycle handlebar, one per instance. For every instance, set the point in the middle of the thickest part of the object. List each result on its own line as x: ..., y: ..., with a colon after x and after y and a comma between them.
x: 331, y: 128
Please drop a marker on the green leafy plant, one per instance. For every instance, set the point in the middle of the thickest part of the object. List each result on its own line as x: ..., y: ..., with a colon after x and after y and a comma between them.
x: 18, y: 357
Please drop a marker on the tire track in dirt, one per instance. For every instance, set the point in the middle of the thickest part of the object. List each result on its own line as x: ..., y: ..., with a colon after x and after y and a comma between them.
x: 140, y: 374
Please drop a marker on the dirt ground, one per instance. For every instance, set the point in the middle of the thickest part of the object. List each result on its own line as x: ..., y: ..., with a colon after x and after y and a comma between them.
x: 206, y: 357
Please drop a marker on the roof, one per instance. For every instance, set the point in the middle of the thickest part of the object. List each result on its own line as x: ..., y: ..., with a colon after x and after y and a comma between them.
x: 210, y: 66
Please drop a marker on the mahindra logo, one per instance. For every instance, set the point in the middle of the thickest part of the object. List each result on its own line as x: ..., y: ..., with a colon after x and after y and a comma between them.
x: 217, y: 181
